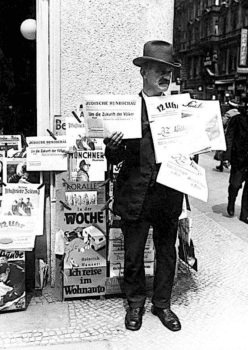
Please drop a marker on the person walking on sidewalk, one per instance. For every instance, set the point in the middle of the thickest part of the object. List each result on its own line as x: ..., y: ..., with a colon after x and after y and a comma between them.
x: 140, y: 201
x: 225, y: 120
x: 237, y: 155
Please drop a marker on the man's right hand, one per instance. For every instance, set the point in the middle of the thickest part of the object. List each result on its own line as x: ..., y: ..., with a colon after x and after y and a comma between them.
x: 114, y: 141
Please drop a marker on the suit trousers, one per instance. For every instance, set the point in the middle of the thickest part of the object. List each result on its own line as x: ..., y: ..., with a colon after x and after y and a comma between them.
x: 161, y: 210
x: 237, y: 178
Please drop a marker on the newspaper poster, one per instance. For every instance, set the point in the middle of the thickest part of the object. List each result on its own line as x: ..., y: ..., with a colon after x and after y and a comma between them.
x: 22, y: 210
x: 209, y: 113
x: 169, y: 106
x: 84, y: 193
x: 46, y: 154
x: 178, y: 171
x: 15, y: 171
x: 12, y: 286
x: 170, y: 136
x: 10, y: 142
x: 87, y: 166
x: 105, y: 114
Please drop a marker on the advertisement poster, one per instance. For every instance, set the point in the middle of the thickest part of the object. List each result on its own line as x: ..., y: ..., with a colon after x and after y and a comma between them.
x: 84, y: 282
x: 105, y: 114
x: 12, y: 285
x: 87, y: 166
x: 183, y: 174
x: 22, y: 210
x: 84, y: 227
x: 15, y: 241
x: 46, y: 154
x: 209, y: 114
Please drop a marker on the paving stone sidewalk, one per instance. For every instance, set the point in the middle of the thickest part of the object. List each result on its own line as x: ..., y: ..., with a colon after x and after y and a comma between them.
x: 212, y: 305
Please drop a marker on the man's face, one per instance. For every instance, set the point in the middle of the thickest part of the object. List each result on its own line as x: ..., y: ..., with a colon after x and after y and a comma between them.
x: 86, y: 167
x: 157, y: 77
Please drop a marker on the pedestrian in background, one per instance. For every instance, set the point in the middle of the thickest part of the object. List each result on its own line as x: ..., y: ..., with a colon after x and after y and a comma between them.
x: 237, y: 155
x: 225, y: 121
x: 140, y: 201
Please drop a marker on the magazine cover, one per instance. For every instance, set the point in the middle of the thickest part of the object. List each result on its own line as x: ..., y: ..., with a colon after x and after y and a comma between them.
x: 12, y: 281
x: 87, y: 166
x: 22, y: 209
x: 86, y: 224
x: 85, y: 251
x: 12, y: 142
x: 15, y: 171
x: 84, y: 193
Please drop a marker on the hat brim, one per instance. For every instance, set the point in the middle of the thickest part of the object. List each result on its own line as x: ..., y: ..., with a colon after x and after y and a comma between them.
x: 140, y: 61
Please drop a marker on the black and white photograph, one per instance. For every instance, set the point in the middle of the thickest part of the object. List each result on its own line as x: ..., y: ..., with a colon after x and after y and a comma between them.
x: 118, y: 119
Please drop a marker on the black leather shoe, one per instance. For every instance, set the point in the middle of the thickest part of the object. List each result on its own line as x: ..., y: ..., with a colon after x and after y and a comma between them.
x: 168, y: 318
x: 244, y: 219
x: 230, y: 209
x: 133, y: 319
x: 219, y: 168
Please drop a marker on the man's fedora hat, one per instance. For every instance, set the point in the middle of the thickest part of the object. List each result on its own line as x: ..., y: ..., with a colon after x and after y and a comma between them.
x: 157, y: 51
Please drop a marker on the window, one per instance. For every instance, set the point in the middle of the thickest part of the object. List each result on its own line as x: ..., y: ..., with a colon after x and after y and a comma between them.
x: 216, y: 27
x: 234, y: 17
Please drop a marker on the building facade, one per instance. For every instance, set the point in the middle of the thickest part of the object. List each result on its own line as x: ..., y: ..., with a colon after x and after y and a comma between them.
x: 210, y: 38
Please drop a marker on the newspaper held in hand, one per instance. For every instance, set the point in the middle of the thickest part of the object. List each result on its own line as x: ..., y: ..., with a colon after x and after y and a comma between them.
x: 105, y: 114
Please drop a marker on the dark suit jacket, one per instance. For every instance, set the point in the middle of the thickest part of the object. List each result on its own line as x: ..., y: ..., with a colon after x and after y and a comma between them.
x: 237, y: 141
x: 138, y: 172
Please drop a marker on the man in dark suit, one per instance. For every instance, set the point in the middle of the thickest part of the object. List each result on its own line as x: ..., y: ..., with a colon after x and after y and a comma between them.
x: 237, y: 155
x: 140, y: 201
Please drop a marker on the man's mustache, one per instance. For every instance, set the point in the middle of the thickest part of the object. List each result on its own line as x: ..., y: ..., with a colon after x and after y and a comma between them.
x: 164, y: 81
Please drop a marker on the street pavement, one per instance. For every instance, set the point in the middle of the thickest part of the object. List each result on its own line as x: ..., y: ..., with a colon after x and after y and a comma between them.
x: 211, y: 303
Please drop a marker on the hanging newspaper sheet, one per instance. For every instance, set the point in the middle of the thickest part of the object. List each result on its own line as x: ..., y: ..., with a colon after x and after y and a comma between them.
x: 165, y: 106
x: 46, y: 154
x: 173, y: 136
x: 178, y: 171
x: 105, y: 114
x: 210, y: 114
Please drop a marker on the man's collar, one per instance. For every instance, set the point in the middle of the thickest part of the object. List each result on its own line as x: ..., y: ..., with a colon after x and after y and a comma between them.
x: 145, y: 95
